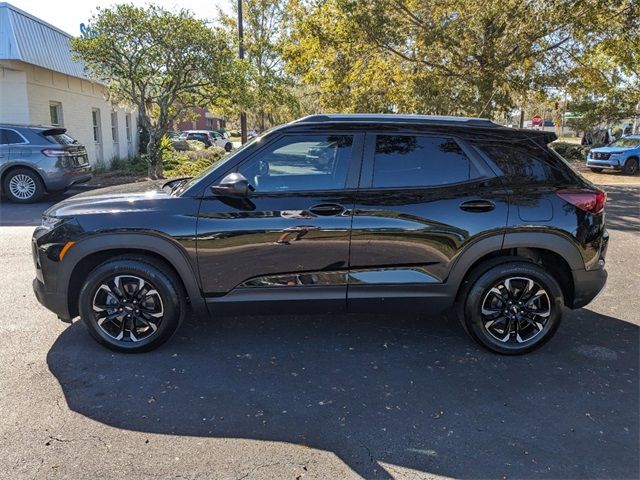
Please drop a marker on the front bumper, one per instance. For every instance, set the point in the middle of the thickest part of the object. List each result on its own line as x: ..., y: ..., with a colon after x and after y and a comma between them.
x: 587, y: 284
x: 51, y: 300
x: 606, y: 164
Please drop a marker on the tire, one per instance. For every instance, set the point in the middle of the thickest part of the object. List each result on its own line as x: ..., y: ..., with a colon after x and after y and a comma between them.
x: 228, y: 147
x: 630, y: 166
x: 483, y: 311
x: 144, y: 329
x: 23, y: 185
x: 597, y: 170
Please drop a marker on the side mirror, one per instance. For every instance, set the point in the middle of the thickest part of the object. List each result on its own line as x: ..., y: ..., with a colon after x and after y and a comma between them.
x: 233, y: 185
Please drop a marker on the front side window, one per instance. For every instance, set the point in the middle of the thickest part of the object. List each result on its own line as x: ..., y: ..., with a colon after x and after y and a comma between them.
x: 301, y: 163
x: 7, y: 137
x: 420, y: 161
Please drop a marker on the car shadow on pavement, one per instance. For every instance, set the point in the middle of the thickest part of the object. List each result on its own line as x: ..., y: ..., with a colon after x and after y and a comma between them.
x: 416, y: 393
x: 623, y: 208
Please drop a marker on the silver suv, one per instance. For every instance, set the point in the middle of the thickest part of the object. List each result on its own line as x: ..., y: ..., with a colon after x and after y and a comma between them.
x: 35, y: 160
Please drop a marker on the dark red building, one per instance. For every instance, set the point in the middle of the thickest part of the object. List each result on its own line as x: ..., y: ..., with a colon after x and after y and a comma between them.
x: 202, y: 119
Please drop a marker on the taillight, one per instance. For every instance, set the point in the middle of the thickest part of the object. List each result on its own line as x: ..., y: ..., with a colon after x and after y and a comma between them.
x: 592, y: 201
x: 53, y: 152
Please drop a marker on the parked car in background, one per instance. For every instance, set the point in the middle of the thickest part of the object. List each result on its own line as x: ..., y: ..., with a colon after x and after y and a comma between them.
x: 35, y: 160
x: 208, y: 137
x: 622, y: 155
x: 410, y: 213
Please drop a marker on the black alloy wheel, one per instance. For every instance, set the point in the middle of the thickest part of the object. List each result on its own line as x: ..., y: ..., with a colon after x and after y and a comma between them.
x: 132, y: 305
x: 512, y: 308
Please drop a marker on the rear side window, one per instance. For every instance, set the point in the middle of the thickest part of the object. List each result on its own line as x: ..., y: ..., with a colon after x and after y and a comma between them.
x: 9, y: 136
x: 526, y: 164
x: 420, y: 161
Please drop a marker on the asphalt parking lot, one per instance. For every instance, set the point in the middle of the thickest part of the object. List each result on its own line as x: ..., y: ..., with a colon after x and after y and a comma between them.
x: 301, y: 397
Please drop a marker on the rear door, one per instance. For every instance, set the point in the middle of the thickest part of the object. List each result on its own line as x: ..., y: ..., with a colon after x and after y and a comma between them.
x: 289, y: 240
x: 422, y: 200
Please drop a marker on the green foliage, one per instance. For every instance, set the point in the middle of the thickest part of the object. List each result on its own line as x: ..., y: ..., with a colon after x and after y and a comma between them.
x: 135, y: 166
x: 270, y: 97
x: 453, y: 57
x: 191, y: 163
x: 196, y: 145
x: 570, y: 151
x: 163, y: 63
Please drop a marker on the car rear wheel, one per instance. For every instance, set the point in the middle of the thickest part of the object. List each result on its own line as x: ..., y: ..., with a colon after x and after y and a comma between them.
x: 597, y: 170
x: 23, y: 186
x: 131, y: 305
x: 630, y: 166
x: 513, y: 308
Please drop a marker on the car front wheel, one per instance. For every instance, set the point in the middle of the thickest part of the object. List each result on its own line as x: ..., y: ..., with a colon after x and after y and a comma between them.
x: 513, y: 308
x: 131, y: 305
x: 630, y: 166
x: 228, y: 147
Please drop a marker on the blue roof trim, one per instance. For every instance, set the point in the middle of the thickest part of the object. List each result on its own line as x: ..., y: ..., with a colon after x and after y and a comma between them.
x: 28, y: 39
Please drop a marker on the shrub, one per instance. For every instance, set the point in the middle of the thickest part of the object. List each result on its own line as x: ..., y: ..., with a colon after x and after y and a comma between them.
x: 571, y: 151
x: 196, y: 145
x: 191, y: 163
x: 127, y: 166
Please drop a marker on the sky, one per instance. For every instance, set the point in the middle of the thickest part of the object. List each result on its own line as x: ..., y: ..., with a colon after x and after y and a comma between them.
x: 67, y: 15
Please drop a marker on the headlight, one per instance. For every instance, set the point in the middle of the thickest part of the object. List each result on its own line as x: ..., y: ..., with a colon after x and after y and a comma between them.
x: 51, y: 222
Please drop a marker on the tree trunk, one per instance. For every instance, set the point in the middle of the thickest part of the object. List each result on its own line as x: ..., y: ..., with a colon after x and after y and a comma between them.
x: 154, y: 166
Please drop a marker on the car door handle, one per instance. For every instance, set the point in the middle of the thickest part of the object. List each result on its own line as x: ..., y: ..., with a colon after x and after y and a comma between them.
x: 477, y: 206
x: 327, y: 209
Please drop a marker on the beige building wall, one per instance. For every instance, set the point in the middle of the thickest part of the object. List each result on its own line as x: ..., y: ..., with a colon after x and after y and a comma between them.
x: 27, y: 92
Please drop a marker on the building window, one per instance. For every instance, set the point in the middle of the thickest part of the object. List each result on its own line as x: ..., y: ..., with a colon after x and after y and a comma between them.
x: 114, y: 127
x: 97, y: 133
x: 55, y: 112
x: 127, y: 121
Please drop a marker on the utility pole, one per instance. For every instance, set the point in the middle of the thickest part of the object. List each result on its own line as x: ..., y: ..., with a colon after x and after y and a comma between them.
x: 243, y: 114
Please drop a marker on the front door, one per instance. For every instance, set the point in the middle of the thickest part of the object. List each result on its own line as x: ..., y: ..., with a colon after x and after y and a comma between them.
x: 291, y: 235
x: 422, y: 200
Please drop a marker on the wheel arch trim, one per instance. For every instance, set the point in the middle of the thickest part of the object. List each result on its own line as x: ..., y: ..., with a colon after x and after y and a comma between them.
x: 154, y: 244
x: 547, y: 241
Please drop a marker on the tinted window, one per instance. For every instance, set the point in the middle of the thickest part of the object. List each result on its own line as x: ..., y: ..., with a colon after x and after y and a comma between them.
x: 301, y: 163
x: 415, y: 161
x: 62, y: 139
x: 524, y: 163
x: 9, y: 136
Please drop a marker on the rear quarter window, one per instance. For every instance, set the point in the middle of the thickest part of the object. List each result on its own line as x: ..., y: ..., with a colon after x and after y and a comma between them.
x: 526, y: 163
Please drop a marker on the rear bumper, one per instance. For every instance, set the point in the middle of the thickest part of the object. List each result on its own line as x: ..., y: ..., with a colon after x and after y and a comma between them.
x: 65, y: 178
x: 587, y: 284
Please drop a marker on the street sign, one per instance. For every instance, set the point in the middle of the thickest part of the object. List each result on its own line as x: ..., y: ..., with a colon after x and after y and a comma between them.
x: 537, y: 121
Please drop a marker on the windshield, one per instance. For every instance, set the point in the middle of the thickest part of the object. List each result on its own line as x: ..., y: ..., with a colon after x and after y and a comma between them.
x: 193, y: 181
x: 627, y: 142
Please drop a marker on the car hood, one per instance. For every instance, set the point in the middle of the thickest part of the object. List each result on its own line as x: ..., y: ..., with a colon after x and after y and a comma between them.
x: 612, y: 149
x: 137, y: 196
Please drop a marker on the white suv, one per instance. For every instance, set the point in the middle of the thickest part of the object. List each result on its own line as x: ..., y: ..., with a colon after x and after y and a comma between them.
x: 208, y: 137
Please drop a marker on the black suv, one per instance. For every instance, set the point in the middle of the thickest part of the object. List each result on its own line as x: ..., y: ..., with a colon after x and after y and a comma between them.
x: 402, y: 213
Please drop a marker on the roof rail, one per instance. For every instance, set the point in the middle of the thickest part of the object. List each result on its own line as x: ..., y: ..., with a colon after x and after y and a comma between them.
x: 385, y: 118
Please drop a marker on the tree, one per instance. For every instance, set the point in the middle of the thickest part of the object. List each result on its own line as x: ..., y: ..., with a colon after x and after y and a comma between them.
x: 271, y: 97
x: 161, y: 62
x: 478, y: 57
